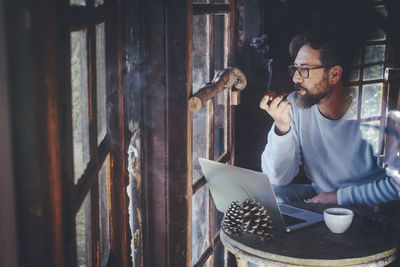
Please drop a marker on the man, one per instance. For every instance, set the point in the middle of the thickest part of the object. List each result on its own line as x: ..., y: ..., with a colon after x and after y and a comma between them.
x: 311, y: 128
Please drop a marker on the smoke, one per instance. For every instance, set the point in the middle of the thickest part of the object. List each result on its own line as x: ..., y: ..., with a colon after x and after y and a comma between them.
x: 262, y: 48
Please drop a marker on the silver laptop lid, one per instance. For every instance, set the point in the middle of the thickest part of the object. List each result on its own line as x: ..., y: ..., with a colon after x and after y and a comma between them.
x: 229, y: 183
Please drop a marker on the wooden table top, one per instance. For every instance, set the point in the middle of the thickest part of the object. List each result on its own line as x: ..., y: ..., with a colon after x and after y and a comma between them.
x: 370, y: 238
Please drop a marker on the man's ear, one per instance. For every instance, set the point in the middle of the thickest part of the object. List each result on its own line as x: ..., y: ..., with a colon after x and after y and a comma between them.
x: 335, y: 73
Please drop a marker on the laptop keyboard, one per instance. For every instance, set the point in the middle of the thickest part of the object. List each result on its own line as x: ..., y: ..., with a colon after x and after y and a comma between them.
x: 289, y: 220
x: 288, y: 209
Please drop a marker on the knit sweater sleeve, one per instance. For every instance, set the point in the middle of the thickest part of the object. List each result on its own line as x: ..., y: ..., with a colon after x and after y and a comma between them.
x: 281, y: 157
x: 370, y: 194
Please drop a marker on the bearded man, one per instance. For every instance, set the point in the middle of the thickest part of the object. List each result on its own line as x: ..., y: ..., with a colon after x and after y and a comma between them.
x: 311, y: 128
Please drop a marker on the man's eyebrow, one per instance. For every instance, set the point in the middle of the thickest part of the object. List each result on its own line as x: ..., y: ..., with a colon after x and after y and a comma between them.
x: 301, y: 65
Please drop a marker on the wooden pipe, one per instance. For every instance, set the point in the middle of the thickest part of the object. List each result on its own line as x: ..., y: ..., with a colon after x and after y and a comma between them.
x: 223, y: 79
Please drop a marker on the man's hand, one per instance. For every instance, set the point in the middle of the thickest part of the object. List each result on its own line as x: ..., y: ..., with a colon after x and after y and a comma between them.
x: 325, y: 198
x: 278, y: 108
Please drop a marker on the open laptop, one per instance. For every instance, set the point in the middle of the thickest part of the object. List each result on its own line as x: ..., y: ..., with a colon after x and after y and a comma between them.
x: 228, y: 183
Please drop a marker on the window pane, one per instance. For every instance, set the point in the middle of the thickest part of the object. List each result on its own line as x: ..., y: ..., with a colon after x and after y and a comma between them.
x: 78, y: 2
x: 219, y: 42
x: 200, y: 229
x: 218, y: 216
x: 201, y: 1
x: 201, y: 51
x: 101, y: 82
x: 105, y: 206
x: 98, y: 2
x: 374, y: 56
x: 221, y: 1
x: 83, y: 234
x: 354, y: 75
x: 219, y: 256
x: 208, y: 263
x: 370, y: 132
x: 200, y: 139
x: 352, y: 112
x: 371, y: 100
x: 80, y: 102
x: 220, y: 124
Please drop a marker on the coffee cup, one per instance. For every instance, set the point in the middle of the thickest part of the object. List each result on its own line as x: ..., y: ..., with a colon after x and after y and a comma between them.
x: 338, y: 220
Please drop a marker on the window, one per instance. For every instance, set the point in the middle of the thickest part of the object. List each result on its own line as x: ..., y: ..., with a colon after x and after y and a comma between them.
x: 95, y: 113
x: 211, y: 126
x: 369, y: 89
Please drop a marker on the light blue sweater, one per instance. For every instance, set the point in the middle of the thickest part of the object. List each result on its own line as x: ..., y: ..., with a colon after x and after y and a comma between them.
x: 335, y: 158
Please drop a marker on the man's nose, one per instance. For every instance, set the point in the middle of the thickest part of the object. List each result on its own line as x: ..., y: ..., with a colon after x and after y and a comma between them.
x: 297, y: 78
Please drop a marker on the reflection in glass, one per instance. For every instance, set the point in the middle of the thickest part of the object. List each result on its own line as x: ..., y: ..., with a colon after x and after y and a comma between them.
x: 218, y: 216
x: 219, y: 42
x: 371, y: 100
x: 352, y: 111
x: 219, y: 256
x: 200, y: 139
x: 354, y: 75
x: 200, y: 227
x: 201, y: 51
x: 80, y: 102
x: 101, y: 82
x: 208, y: 263
x: 98, y: 2
x: 220, y: 124
x: 374, y: 56
x: 83, y: 234
x: 105, y: 207
x: 370, y: 133
x: 78, y: 2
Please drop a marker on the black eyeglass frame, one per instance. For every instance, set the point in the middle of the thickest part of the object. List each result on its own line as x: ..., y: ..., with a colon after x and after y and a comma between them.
x: 292, y: 70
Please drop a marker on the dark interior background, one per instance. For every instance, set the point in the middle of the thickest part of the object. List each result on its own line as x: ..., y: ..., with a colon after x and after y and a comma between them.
x: 280, y: 20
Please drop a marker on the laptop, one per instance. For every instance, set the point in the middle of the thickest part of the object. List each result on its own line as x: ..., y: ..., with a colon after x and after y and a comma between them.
x: 229, y: 183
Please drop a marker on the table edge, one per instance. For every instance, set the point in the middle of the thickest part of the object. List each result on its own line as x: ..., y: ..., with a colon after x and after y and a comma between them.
x: 232, y: 246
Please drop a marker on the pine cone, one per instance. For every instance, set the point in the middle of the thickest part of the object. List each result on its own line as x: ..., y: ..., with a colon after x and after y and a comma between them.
x: 232, y: 223
x: 249, y: 217
x: 255, y: 219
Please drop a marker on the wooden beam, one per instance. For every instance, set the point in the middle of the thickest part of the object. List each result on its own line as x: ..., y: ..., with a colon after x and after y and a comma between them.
x: 8, y: 233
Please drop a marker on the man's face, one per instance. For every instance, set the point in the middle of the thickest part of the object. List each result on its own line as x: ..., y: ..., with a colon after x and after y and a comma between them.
x: 311, y: 90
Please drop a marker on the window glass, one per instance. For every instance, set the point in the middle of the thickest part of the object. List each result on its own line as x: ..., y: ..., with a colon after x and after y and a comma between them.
x: 220, y: 124
x: 374, y: 59
x: 354, y: 75
x: 219, y: 256
x: 80, y: 102
x: 98, y: 2
x: 200, y: 227
x: 200, y: 139
x: 352, y: 112
x: 201, y: 1
x: 201, y: 51
x: 83, y: 234
x: 219, y: 41
x: 101, y: 82
x: 370, y: 132
x: 371, y: 100
x: 220, y: 1
x: 208, y: 263
x: 78, y: 2
x: 105, y: 207
x: 218, y: 216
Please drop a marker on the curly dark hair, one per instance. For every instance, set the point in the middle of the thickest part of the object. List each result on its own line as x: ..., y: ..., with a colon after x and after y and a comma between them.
x: 334, y: 50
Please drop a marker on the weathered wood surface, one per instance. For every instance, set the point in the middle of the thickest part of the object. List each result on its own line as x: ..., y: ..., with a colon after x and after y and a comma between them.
x: 364, y: 244
x: 223, y: 79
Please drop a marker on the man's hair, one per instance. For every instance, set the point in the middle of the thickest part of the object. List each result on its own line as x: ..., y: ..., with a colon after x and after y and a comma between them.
x: 333, y: 50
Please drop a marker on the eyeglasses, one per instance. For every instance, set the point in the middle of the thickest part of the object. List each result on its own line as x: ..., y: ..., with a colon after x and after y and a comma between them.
x: 303, y: 71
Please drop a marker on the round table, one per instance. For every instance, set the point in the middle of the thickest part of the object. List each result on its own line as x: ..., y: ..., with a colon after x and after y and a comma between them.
x: 370, y: 241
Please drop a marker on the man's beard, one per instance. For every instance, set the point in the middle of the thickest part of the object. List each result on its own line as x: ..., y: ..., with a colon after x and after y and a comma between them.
x: 322, y: 90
